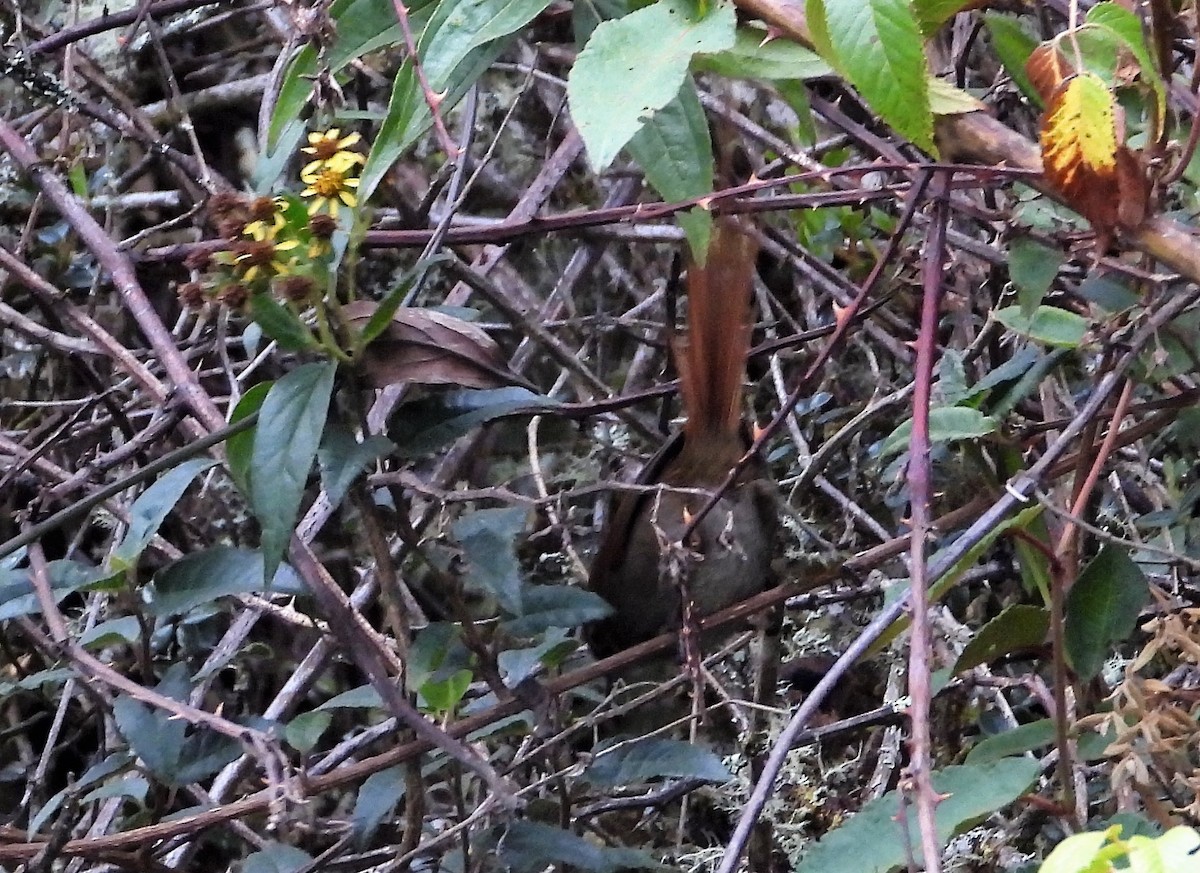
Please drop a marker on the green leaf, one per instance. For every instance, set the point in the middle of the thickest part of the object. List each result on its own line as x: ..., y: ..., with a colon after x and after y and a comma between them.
x: 304, y: 731
x: 486, y: 537
x: 217, y: 572
x: 437, y: 652
x: 161, y: 741
x: 674, y: 151
x: 277, y: 858
x: 281, y: 324
x: 946, y: 423
x: 442, y: 696
x: 1127, y: 27
x: 774, y: 61
x: 285, y: 443
x: 362, y: 26
x: 1017, y: 628
x: 341, y: 457
x: 459, y: 43
x: 239, y: 448
x: 530, y: 847
x: 642, y: 57
x: 1176, y: 851
x: 547, y: 606
x: 1017, y: 741
x: 874, y: 840
x: 1014, y: 46
x: 362, y: 697
x: 1032, y: 268
x: 877, y: 45
x: 1078, y: 854
x: 17, y: 597
x: 1102, y: 608
x: 1047, y: 324
x: 378, y: 796
x: 434, y: 422
x: 113, y: 632
x: 640, y: 761
x: 517, y: 665
x: 151, y: 508
x: 932, y: 14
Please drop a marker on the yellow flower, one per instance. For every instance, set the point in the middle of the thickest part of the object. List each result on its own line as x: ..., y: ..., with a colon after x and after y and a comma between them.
x: 329, y: 187
x: 329, y: 152
x: 260, y: 254
x: 264, y: 210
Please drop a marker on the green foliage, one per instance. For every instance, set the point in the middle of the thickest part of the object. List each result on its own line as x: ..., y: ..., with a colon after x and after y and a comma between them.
x: 1045, y: 324
x: 946, y: 424
x: 874, y: 840
x: 1176, y: 851
x: 644, y: 57
x: 1017, y: 628
x: 152, y: 507
x: 286, y: 438
x: 877, y: 46
x: 220, y: 571
x: 341, y: 458
x: 1032, y: 268
x: 1102, y: 608
x: 628, y: 763
x: 377, y: 798
x: 528, y: 847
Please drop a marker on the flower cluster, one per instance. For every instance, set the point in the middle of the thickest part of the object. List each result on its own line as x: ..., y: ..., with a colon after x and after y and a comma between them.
x: 279, y: 244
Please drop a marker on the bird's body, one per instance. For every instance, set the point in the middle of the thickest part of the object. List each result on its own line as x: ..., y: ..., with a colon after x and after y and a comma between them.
x: 730, y: 550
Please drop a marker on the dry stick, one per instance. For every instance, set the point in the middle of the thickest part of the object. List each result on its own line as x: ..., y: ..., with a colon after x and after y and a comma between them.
x: 432, y: 99
x: 209, y: 418
x: 920, y: 641
x: 1018, y: 491
x: 1065, y: 545
x: 109, y: 21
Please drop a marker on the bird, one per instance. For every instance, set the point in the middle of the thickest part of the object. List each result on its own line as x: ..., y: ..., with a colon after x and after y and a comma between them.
x: 728, y: 555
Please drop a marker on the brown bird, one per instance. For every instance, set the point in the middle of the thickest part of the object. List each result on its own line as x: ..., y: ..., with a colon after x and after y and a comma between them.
x: 731, y: 547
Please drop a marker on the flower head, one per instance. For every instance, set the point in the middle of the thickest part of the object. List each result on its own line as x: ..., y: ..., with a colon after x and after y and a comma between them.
x: 260, y: 254
x: 330, y: 152
x: 329, y: 187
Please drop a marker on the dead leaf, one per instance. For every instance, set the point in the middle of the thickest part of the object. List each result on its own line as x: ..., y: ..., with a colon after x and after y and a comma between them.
x: 430, y: 348
x: 1047, y: 69
x: 1084, y: 158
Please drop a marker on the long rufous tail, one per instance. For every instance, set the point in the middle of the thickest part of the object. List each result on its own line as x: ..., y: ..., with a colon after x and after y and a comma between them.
x: 711, y: 356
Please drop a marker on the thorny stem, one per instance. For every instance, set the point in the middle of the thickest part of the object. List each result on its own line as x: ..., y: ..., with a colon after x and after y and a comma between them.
x: 921, y: 643
x: 432, y: 99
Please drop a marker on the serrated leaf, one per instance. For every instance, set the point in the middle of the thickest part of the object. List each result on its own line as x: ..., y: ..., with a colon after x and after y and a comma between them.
x: 1127, y: 27
x: 946, y: 423
x: 642, y: 760
x: 285, y: 443
x: 1017, y: 628
x: 644, y: 58
x: 874, y: 840
x: 1047, y: 69
x: 752, y: 56
x: 486, y: 537
x: 932, y: 14
x: 946, y: 99
x: 1047, y: 324
x: 877, y: 45
x: 217, y: 572
x: 1102, y: 608
x: 147, y: 513
x: 675, y: 153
